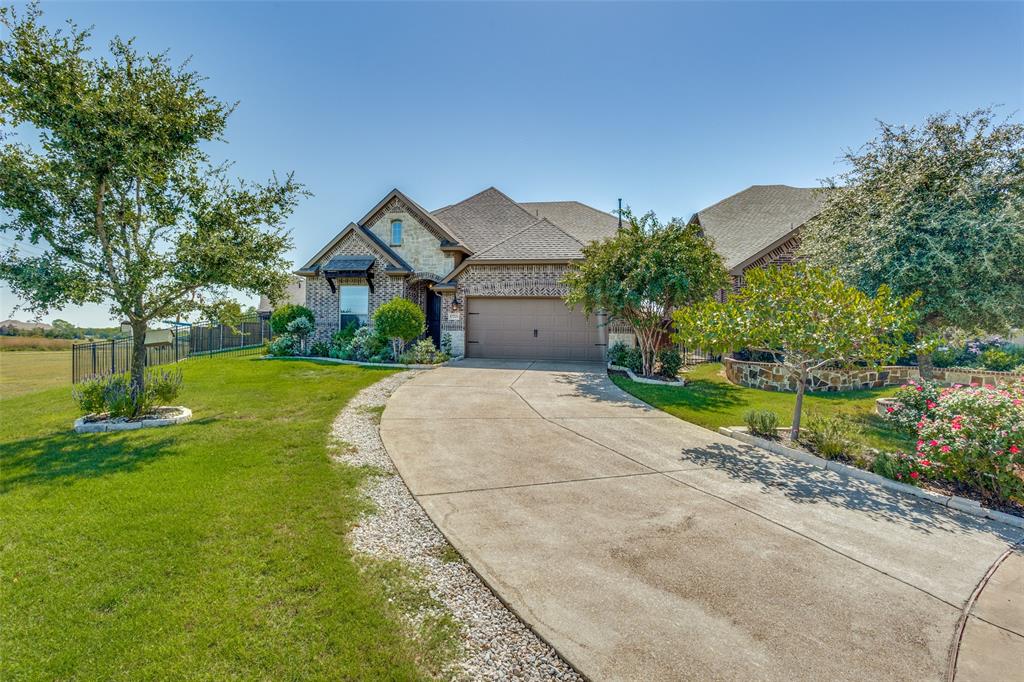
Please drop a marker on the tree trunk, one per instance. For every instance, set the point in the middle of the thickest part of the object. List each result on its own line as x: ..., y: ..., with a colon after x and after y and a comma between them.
x: 794, y: 431
x: 925, y: 366
x: 138, y: 368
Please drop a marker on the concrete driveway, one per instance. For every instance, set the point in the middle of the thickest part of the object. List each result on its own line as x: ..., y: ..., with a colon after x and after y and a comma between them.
x: 643, y: 547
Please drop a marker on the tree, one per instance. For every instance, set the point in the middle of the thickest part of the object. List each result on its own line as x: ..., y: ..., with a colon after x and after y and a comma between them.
x: 937, y: 209
x: 283, y: 316
x: 400, y: 320
x: 117, y: 190
x: 807, y: 319
x: 643, y: 273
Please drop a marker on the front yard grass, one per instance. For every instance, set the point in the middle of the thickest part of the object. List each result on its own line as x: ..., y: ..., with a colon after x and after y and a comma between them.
x: 212, y: 550
x: 710, y: 400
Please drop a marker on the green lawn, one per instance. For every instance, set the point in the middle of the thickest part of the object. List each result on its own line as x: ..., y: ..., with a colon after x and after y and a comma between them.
x: 710, y: 400
x: 27, y: 371
x: 213, y: 550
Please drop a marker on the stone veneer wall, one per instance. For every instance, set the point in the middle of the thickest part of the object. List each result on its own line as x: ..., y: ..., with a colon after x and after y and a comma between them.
x: 420, y: 246
x: 966, y: 376
x: 769, y: 376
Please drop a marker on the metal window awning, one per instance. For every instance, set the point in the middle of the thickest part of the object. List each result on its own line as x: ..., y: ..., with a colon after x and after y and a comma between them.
x: 348, y: 267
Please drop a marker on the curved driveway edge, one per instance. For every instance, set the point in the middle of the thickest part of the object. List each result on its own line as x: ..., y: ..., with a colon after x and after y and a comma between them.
x: 644, y: 547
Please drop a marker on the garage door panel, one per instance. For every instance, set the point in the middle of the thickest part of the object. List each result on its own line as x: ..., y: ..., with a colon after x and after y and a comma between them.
x: 504, y: 328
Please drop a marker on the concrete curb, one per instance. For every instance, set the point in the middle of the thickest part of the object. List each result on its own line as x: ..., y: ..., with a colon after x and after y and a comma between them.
x: 950, y: 501
x: 82, y: 426
x: 645, y: 380
x: 337, y: 361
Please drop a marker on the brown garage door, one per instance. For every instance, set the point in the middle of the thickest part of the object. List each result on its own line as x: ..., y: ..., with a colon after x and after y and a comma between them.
x: 530, y: 328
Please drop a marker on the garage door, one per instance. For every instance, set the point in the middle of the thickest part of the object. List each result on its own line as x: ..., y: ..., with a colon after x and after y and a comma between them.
x: 531, y: 329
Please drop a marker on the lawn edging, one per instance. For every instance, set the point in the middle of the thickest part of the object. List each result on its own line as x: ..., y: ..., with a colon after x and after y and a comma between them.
x: 951, y: 501
x: 645, y: 380
x: 83, y: 426
x: 338, y: 361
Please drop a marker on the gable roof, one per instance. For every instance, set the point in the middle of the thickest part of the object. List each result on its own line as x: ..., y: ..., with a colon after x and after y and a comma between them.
x: 582, y: 222
x: 485, y: 218
x: 397, y: 264
x: 542, y: 240
x: 752, y: 221
x: 429, y: 220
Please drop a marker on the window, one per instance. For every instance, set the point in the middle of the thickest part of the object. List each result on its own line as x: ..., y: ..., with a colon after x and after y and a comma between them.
x: 355, y: 304
x: 396, y: 233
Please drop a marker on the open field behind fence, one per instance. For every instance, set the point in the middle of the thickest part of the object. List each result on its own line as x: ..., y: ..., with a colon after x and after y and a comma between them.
x: 34, y: 343
x: 29, y: 371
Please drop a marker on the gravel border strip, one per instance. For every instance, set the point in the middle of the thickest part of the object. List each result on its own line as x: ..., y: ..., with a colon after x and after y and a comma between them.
x: 496, y: 644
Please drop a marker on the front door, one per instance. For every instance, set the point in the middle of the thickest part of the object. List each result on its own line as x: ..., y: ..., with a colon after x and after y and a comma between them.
x: 434, y: 318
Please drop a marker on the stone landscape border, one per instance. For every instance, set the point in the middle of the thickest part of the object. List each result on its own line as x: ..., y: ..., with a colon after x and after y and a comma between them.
x: 338, y: 361
x: 83, y: 426
x: 645, y: 380
x: 951, y: 501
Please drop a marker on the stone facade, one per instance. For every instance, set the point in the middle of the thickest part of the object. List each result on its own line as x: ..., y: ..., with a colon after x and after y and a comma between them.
x: 966, y: 376
x: 325, y: 303
x: 420, y: 245
x: 769, y: 376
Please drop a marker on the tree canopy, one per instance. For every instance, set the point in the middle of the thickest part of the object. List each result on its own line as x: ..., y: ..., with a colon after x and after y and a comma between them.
x: 400, y: 320
x: 102, y: 167
x: 643, y: 273
x: 806, y: 318
x: 937, y: 209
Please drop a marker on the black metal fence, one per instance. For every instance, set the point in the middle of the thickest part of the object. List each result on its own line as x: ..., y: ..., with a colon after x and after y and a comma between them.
x: 695, y: 356
x: 114, y: 356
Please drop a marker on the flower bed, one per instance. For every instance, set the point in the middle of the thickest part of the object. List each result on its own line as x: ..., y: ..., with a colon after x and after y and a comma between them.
x: 156, y: 417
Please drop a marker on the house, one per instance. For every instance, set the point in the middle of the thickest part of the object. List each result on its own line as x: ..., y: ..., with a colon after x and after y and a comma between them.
x: 10, y: 327
x: 294, y: 293
x: 759, y: 226
x: 487, y: 271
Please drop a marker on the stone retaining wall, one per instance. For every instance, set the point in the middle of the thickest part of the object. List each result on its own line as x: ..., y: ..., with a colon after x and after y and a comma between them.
x: 769, y: 376
x: 967, y: 376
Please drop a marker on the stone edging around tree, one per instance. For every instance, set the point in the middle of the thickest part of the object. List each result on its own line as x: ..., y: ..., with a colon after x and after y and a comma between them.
x: 645, y: 380
x: 951, y: 501
x: 82, y: 426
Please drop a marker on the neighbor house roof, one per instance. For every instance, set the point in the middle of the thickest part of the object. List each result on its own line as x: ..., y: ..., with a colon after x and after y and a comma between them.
x: 757, y: 219
x: 584, y: 223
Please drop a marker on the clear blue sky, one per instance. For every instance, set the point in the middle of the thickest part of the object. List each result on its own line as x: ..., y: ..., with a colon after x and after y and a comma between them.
x: 670, y: 106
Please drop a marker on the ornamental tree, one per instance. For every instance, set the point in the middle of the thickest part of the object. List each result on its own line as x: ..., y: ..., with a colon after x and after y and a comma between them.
x: 643, y: 273
x: 937, y: 209
x: 102, y: 169
x: 806, y: 318
x: 400, y: 320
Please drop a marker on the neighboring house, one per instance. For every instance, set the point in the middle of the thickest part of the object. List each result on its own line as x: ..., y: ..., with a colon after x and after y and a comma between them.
x: 295, y: 293
x: 759, y: 226
x: 16, y: 326
x: 486, y: 270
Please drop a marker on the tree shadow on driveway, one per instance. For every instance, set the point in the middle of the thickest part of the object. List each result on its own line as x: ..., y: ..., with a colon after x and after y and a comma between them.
x: 805, y: 484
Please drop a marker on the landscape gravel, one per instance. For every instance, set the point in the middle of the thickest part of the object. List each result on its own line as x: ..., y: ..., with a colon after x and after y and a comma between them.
x: 496, y: 644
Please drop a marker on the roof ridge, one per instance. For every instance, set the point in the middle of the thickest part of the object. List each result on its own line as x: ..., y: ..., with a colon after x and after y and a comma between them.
x: 498, y: 243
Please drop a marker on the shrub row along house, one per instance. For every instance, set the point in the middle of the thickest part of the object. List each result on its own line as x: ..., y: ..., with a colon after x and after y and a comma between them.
x: 487, y: 270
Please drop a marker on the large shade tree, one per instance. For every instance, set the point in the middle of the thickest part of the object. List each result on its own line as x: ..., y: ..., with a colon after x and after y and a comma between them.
x: 937, y: 209
x: 102, y: 170
x: 807, y: 319
x: 643, y: 273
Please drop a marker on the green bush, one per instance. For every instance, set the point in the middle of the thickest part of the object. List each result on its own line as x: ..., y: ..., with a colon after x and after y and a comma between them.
x: 945, y: 357
x: 763, y: 423
x: 669, y: 362
x: 617, y: 354
x: 832, y: 437
x: 399, y: 320
x: 320, y: 349
x: 912, y: 402
x: 998, y: 360
x: 368, y: 345
x: 89, y: 395
x: 900, y: 466
x: 282, y: 346
x: 446, y: 344
x: 283, y: 316
x: 423, y: 352
x: 634, y: 360
x: 163, y: 386
x: 343, y: 336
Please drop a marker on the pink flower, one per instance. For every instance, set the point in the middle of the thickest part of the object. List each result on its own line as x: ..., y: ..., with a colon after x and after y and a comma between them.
x: 956, y: 426
x: 890, y: 409
x: 931, y: 404
x: 945, y: 448
x: 926, y: 462
x: 1014, y: 449
x: 920, y: 388
x: 933, y: 443
x: 914, y: 474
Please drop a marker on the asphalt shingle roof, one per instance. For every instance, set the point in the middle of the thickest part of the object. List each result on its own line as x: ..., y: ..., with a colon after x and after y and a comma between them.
x: 748, y: 222
x: 583, y: 222
x: 542, y: 240
x: 348, y: 264
x: 485, y: 218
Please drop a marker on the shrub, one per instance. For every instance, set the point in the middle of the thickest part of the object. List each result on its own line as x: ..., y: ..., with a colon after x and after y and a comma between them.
x: 977, y: 434
x: 446, y: 344
x: 89, y: 395
x: 299, y: 329
x: 912, y: 402
x: 369, y: 345
x: 669, y: 361
x: 900, y: 466
x: 831, y: 437
x: 282, y: 346
x: 401, y: 321
x: 634, y: 360
x: 163, y: 386
x: 617, y: 354
x: 284, y: 315
x: 998, y: 360
x: 423, y: 353
x: 944, y: 357
x: 320, y: 349
x: 763, y: 423
x: 121, y: 399
x: 343, y: 336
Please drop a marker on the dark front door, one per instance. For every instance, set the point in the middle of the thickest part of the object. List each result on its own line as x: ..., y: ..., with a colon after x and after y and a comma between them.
x: 434, y: 318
